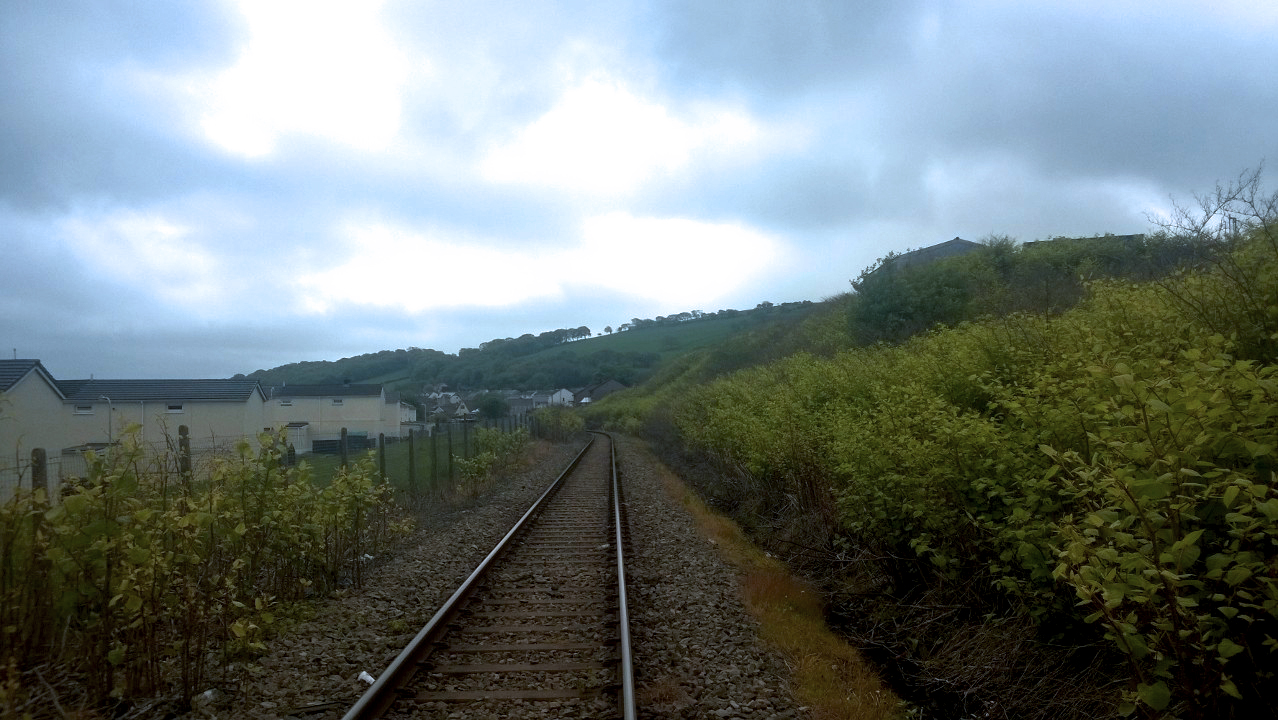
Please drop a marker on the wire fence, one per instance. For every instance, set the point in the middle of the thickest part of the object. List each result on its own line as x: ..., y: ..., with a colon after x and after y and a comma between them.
x: 53, y: 470
x: 436, y: 448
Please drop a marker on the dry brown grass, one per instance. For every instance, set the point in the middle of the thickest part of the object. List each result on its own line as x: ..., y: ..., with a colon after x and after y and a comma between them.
x: 829, y: 676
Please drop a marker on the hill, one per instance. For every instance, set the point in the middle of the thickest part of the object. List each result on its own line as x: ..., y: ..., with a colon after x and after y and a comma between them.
x: 566, y: 358
x: 1038, y: 481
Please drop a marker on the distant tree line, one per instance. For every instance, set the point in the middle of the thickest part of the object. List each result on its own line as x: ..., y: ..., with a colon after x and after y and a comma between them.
x: 690, y: 315
x: 528, y: 343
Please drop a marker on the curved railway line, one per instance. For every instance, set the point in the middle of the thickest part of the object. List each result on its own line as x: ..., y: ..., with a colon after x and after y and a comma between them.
x: 542, y: 621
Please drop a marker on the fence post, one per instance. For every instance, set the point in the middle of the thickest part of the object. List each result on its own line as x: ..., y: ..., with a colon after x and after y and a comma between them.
x: 412, y: 466
x: 184, y: 452
x: 450, y: 455
x: 434, y: 460
x: 39, y: 471
x: 341, y: 447
x: 381, y: 454
x: 465, y: 440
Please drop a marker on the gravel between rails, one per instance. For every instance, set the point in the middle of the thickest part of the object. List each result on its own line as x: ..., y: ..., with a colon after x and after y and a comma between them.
x: 697, y: 654
x: 696, y: 651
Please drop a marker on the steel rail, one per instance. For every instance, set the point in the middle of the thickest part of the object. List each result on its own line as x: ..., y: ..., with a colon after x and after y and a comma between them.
x: 382, y: 693
x: 629, y: 708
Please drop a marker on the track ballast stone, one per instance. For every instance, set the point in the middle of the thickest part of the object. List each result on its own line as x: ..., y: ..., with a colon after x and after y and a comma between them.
x: 697, y: 654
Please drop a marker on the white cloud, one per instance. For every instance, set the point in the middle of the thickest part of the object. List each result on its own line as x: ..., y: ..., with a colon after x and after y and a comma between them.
x: 427, y: 272
x: 149, y: 252
x: 672, y: 260
x: 679, y: 261
x: 319, y: 67
x: 602, y: 139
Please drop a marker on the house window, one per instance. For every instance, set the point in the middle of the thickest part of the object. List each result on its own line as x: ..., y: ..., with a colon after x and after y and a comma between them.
x: 286, y: 403
x: 173, y: 408
x: 337, y: 402
x: 83, y: 409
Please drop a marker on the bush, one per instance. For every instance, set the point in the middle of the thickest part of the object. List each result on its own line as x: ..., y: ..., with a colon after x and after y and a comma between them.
x: 497, y: 454
x: 557, y: 424
x: 1111, y: 466
x: 139, y: 566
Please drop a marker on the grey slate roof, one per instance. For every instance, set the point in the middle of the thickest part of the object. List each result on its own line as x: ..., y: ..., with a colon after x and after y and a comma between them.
x: 598, y: 390
x: 334, y: 390
x: 11, y: 371
x: 88, y: 391
x: 932, y: 253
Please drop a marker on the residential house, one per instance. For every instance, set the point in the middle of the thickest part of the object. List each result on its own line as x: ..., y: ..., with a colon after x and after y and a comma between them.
x: 450, y: 408
x: 316, y: 414
x: 519, y: 406
x: 31, y: 414
x: 67, y: 417
x: 217, y: 413
x: 439, y: 397
x: 399, y: 416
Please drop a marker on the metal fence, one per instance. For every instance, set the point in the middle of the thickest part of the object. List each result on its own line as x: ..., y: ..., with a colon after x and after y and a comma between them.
x: 20, y: 469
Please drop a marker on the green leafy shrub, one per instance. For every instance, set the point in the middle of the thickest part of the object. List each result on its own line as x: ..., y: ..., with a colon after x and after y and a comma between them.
x: 557, y: 424
x: 497, y: 454
x: 142, y: 570
x: 1110, y: 466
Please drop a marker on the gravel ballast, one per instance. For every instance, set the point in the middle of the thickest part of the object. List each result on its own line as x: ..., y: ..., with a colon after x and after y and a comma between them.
x: 697, y: 654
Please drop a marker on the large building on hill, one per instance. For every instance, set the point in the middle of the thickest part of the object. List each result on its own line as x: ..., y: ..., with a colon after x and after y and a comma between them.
x: 930, y: 254
x: 1129, y: 240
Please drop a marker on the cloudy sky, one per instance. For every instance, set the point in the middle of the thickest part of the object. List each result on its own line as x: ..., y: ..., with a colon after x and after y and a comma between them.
x: 199, y: 189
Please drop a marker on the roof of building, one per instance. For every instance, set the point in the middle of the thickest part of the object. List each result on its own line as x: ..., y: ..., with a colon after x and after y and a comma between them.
x: 1124, y: 239
x: 932, y: 253
x: 119, y: 391
x: 334, y: 390
x: 11, y: 371
x: 599, y: 389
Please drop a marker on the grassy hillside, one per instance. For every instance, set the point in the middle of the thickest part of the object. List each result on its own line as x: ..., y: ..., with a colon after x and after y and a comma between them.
x: 550, y: 360
x: 664, y: 340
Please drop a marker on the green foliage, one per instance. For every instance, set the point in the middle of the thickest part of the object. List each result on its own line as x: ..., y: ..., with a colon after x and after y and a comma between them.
x: 567, y: 358
x: 493, y: 406
x: 1104, y: 459
x: 497, y: 454
x: 139, y: 568
x: 821, y: 328
x: 894, y: 302
x: 1173, y: 541
x: 557, y: 424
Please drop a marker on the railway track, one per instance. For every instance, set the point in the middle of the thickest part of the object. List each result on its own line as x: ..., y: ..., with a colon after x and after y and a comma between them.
x: 540, y: 628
